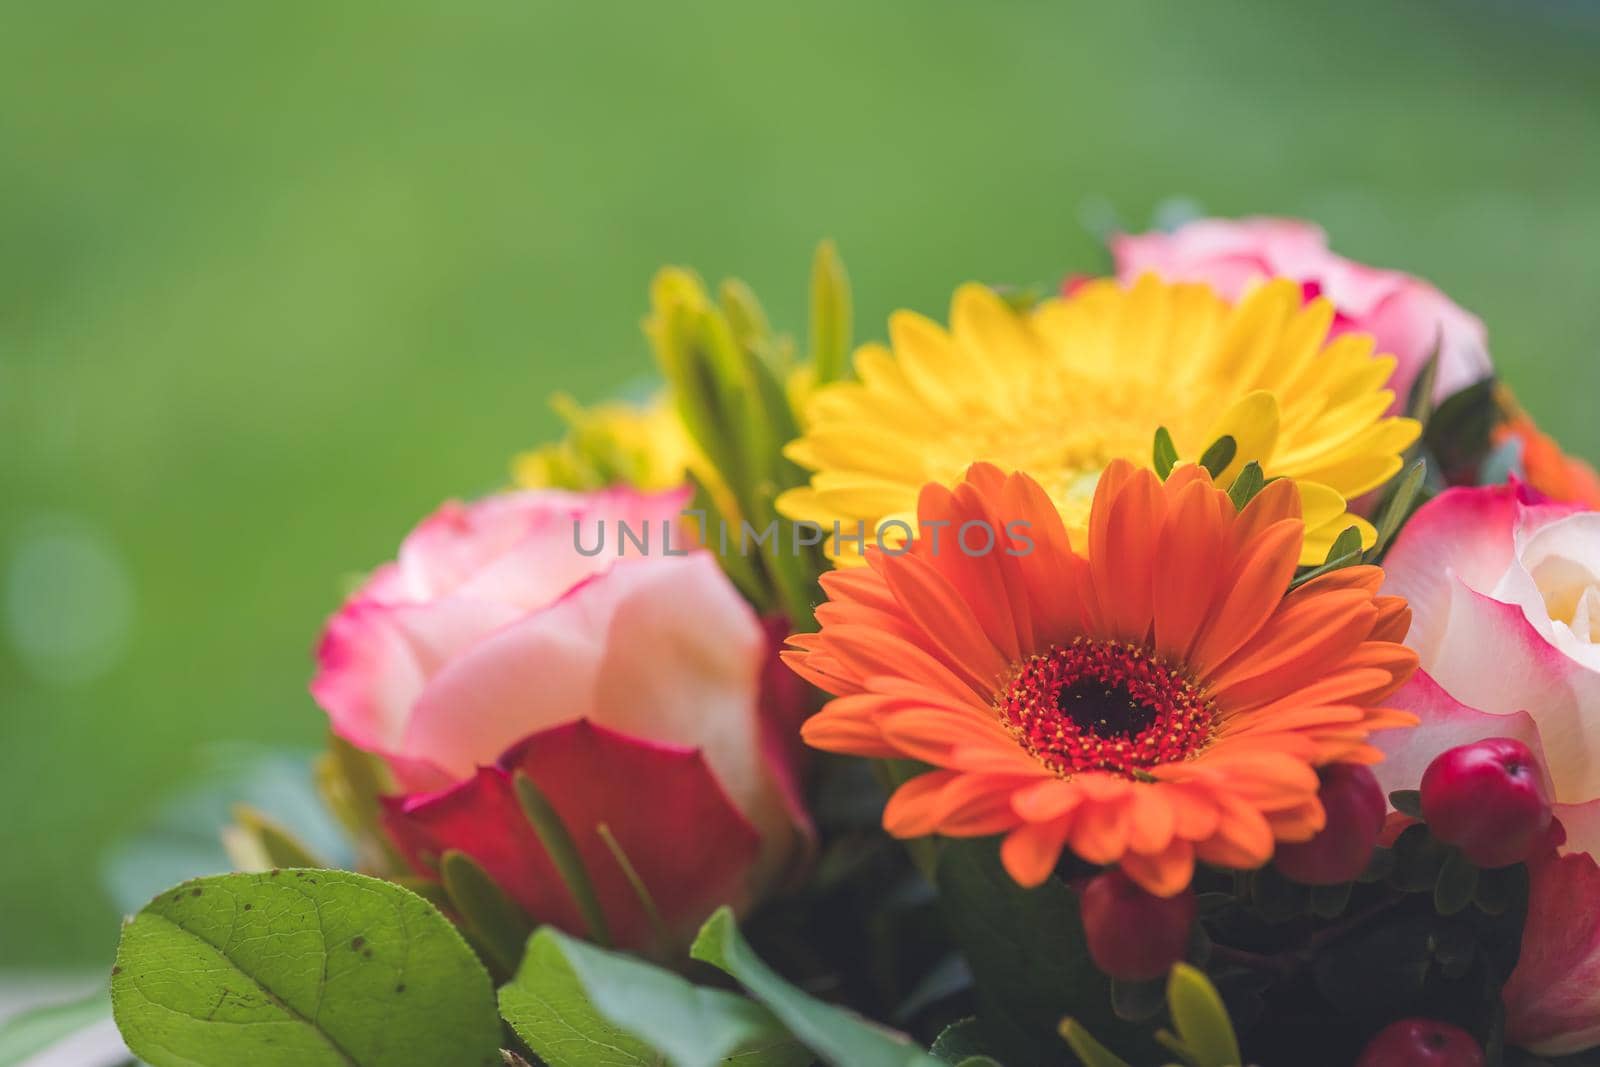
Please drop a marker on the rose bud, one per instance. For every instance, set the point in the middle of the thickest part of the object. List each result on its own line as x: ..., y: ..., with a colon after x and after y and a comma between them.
x: 1421, y: 1043
x: 1489, y: 799
x: 1355, y: 809
x: 1133, y: 935
x: 633, y: 688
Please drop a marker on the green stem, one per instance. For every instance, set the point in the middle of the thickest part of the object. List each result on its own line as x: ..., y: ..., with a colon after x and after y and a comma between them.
x: 564, y: 854
x: 657, y: 925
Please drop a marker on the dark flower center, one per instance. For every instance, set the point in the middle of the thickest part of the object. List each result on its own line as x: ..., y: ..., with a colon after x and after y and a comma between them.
x: 1104, y: 708
x: 1103, y: 705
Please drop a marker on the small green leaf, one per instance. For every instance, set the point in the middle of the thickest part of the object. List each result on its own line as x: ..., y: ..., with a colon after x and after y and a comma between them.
x: 1220, y: 453
x: 745, y: 314
x: 1419, y: 403
x: 1407, y: 802
x: 1276, y: 898
x: 1419, y: 857
x: 1398, y: 508
x: 1250, y: 482
x: 1496, y: 890
x: 497, y: 924
x: 1380, y: 867
x: 1345, y: 552
x: 1456, y: 885
x: 1090, y: 1051
x: 1165, y: 453
x: 300, y: 968
x: 1201, y: 1019
x: 564, y: 855
x: 1460, y: 431
x: 256, y: 842
x: 836, y: 1035
x: 350, y: 782
x: 577, y: 1005
x: 830, y: 314
x: 1329, y: 901
x: 960, y: 1041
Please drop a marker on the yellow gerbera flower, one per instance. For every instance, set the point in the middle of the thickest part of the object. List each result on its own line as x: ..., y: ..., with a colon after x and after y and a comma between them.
x: 1065, y: 388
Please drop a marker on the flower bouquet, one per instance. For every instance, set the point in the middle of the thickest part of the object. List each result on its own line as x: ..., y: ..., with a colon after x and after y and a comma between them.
x: 1195, y: 664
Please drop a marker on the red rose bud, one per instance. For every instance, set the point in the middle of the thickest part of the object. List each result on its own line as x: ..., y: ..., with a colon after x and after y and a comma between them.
x: 1489, y: 799
x: 1355, y: 808
x: 1421, y: 1043
x: 1133, y: 935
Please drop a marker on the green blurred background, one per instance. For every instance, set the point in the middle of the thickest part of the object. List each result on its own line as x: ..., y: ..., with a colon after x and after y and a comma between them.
x: 275, y: 279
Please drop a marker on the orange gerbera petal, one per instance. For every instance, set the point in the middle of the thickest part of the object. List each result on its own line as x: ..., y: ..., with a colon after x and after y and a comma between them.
x: 1157, y: 700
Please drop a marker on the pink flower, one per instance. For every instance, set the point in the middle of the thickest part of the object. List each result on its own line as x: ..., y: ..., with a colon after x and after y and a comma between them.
x: 1504, y: 590
x: 637, y: 693
x: 1406, y: 315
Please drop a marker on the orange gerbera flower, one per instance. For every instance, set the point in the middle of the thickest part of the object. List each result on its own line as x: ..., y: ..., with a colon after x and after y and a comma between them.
x: 1164, y: 700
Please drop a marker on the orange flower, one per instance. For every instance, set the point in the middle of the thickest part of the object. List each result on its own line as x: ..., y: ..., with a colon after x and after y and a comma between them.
x: 1560, y: 477
x: 1164, y: 700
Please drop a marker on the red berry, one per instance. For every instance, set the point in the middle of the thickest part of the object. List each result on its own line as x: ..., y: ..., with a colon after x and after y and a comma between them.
x: 1355, y: 807
x: 1421, y: 1043
x: 1133, y: 935
x: 1489, y: 799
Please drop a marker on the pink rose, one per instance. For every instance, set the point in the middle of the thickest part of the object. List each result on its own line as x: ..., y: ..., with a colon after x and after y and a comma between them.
x: 1504, y: 590
x: 1405, y: 315
x: 636, y: 692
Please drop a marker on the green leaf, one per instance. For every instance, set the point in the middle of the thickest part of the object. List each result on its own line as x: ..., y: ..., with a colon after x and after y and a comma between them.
x: 1220, y: 453
x: 1497, y: 890
x: 1201, y: 1019
x: 1249, y: 482
x: 1276, y: 898
x: 300, y: 968
x: 1028, y: 956
x: 745, y: 314
x: 830, y: 314
x: 1419, y: 403
x: 1087, y: 1049
x: 1407, y: 802
x: 1165, y: 453
x: 1380, y: 867
x: 1398, y: 508
x: 959, y: 1042
x: 255, y: 842
x: 1457, y: 883
x: 563, y: 854
x: 1345, y: 552
x: 577, y: 1005
x: 1460, y: 430
x: 838, y: 1036
x: 1418, y: 859
x: 497, y: 925
x: 1329, y: 901
x: 34, y: 1030
x: 350, y: 782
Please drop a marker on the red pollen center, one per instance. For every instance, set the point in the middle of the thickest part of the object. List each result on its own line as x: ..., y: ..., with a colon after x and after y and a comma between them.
x: 1104, y: 706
